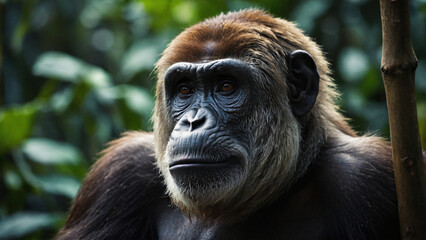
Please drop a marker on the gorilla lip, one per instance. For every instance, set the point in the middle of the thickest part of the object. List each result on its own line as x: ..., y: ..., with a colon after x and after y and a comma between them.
x: 187, y: 170
x: 203, y: 162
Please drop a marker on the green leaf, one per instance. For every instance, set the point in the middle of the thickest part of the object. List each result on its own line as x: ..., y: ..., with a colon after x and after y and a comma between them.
x: 108, y: 95
x: 138, y: 100
x: 61, y: 100
x: 47, y: 151
x: 60, y: 66
x: 59, y: 184
x: 24, y: 223
x: 135, y: 104
x: 16, y: 124
x: 12, y: 180
x: 53, y: 183
x: 142, y: 55
x: 97, y: 78
x: 68, y: 68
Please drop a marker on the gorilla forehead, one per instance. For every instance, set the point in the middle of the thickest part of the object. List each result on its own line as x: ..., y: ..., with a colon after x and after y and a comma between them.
x: 234, y: 35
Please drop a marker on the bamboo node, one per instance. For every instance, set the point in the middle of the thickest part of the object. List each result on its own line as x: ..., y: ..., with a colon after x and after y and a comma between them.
x: 408, y: 163
x: 399, y: 68
x: 405, y: 66
x: 384, y: 69
x: 409, y: 231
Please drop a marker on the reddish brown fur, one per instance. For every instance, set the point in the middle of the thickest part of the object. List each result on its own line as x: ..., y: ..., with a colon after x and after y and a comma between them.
x: 254, y: 37
x: 264, y: 42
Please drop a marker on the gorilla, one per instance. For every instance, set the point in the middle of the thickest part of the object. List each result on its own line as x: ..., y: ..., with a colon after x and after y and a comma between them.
x: 248, y: 143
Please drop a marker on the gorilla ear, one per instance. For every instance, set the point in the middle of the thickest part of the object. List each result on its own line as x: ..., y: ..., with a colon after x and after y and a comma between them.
x: 303, y: 82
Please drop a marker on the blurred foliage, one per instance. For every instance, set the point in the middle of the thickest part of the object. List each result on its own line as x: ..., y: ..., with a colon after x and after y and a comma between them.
x: 76, y: 74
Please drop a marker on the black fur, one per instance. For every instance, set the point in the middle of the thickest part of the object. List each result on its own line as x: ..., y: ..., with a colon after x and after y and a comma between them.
x: 119, y: 196
x: 347, y: 193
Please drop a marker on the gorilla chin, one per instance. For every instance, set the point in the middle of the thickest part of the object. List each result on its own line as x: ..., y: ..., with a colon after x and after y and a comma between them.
x: 205, y: 187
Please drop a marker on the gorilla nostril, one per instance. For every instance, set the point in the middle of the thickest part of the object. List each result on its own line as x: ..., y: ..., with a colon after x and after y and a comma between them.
x: 196, y: 123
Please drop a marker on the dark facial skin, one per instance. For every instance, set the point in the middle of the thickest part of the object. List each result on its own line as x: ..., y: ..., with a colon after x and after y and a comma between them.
x: 207, y: 102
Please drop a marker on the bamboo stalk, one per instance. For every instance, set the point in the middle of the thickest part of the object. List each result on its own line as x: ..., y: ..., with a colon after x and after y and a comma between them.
x: 399, y: 64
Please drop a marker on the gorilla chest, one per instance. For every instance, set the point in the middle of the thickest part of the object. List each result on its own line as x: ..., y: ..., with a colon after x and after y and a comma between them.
x: 274, y: 222
x: 260, y: 230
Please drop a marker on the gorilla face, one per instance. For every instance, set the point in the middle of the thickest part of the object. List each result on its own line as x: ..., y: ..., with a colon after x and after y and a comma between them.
x: 208, y: 150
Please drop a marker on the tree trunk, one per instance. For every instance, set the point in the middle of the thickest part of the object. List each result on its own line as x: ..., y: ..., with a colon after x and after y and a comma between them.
x: 399, y: 64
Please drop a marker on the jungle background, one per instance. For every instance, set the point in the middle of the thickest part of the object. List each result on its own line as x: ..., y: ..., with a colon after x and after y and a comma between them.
x: 75, y: 74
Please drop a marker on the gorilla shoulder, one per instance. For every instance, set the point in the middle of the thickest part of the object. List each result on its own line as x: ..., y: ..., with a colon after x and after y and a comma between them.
x: 120, y: 194
x: 356, y: 182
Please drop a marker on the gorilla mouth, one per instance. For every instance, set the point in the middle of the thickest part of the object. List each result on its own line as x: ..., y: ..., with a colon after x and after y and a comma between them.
x: 203, y: 162
x: 202, y: 167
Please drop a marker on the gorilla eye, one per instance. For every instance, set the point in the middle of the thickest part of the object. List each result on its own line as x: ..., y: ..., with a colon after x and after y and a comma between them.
x: 185, y: 90
x: 226, y: 87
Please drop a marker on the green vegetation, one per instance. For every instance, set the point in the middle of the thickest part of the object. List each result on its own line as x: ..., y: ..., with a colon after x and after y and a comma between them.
x: 76, y: 74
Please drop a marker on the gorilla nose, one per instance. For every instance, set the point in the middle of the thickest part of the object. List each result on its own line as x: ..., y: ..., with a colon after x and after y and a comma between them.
x: 195, y: 123
x: 195, y: 120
